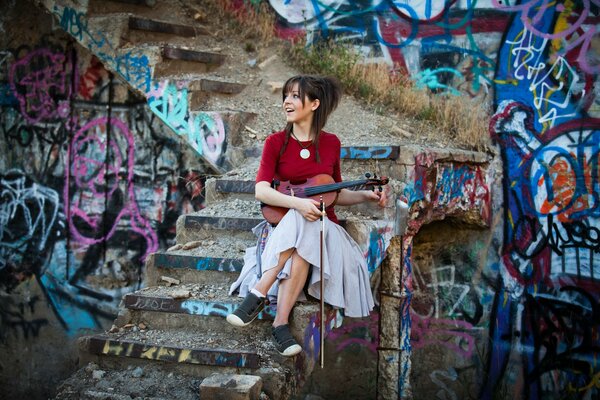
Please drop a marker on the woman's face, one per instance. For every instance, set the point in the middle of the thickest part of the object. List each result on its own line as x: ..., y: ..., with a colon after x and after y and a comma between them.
x: 295, y: 110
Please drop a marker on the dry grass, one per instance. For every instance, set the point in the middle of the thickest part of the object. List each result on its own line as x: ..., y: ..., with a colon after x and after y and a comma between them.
x: 442, y: 118
x: 254, y: 22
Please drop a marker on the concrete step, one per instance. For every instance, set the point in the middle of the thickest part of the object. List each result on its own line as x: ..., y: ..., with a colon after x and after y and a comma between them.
x: 229, y: 215
x: 232, y: 215
x: 216, y: 261
x: 209, y: 87
x: 155, y: 306
x: 149, y: 382
x: 142, y: 30
x: 199, y: 353
x: 195, y: 308
x: 206, y: 57
x: 165, y: 27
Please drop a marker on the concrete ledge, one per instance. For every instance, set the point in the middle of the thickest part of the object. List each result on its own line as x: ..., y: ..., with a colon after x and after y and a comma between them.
x: 231, y: 387
x: 166, y: 260
x: 370, y: 152
x: 192, y: 306
x: 175, y: 53
x: 145, y: 24
x: 226, y: 223
x: 104, y: 345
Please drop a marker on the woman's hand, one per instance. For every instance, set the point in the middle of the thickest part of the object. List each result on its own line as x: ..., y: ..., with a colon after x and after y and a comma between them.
x: 309, y: 208
x: 376, y: 196
x: 350, y: 197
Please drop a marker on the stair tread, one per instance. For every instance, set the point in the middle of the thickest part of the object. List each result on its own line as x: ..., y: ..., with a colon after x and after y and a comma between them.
x: 204, y: 292
x: 235, y: 208
x: 241, y: 349
x: 218, y: 247
x: 231, y: 208
x: 214, y: 293
x: 161, y: 25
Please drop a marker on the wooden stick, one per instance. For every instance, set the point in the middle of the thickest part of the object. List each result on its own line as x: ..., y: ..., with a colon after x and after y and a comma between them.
x: 322, y: 327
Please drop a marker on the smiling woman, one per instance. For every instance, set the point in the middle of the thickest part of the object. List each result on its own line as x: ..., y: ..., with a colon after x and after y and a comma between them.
x: 289, y: 256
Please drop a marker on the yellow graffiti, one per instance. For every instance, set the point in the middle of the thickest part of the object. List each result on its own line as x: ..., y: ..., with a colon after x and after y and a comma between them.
x: 184, y: 355
x: 595, y: 382
x: 562, y: 24
x: 165, y: 353
x: 149, y: 354
x: 112, y: 348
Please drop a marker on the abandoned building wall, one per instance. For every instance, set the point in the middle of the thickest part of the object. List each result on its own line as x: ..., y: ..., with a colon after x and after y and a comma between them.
x: 510, y: 314
x: 91, y: 184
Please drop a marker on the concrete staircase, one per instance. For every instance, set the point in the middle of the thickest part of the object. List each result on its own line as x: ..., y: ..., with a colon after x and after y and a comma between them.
x: 176, y: 323
x: 169, y: 59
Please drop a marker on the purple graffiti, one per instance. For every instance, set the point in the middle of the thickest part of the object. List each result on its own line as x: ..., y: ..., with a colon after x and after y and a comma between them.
x: 96, y: 168
x: 449, y: 333
x: 573, y: 34
x: 41, y: 84
x: 364, y: 333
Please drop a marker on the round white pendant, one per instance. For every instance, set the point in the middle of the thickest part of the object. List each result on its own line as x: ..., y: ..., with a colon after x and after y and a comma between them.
x: 304, y: 153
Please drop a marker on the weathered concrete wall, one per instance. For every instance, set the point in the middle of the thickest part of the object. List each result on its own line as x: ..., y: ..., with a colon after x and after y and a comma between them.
x: 507, y: 312
x: 511, y: 313
x: 91, y: 184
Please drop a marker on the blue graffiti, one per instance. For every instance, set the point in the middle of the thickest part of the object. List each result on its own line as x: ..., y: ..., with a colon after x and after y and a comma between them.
x: 452, y: 182
x: 428, y: 79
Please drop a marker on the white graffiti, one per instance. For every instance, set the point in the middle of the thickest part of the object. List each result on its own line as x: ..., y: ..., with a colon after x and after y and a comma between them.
x: 529, y: 64
x: 443, y: 278
x: 25, y: 212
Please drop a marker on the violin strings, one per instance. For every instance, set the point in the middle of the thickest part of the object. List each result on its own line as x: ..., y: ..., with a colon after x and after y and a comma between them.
x: 314, y: 190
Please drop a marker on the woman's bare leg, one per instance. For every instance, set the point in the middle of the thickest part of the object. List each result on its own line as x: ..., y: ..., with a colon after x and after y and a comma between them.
x: 268, y: 278
x: 289, y: 289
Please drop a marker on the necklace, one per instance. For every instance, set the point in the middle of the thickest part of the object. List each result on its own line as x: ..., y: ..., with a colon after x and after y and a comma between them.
x: 305, y: 152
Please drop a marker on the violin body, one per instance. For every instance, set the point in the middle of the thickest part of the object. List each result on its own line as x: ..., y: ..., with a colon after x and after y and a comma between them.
x: 320, y: 187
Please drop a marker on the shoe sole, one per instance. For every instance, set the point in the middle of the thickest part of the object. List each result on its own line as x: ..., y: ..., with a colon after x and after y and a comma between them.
x: 291, y: 351
x: 237, y: 321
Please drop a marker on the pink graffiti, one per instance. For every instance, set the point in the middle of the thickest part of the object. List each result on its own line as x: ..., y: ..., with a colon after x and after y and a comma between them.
x: 39, y: 82
x: 350, y: 334
x: 449, y: 333
x: 95, y: 166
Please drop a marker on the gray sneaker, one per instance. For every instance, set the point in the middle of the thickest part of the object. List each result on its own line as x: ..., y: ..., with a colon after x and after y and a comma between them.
x: 247, y: 311
x: 284, y: 341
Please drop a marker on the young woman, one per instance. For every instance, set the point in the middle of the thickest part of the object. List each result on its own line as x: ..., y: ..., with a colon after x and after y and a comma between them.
x: 289, y: 253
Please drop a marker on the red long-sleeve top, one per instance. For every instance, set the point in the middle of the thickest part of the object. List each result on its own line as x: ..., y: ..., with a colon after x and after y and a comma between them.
x: 290, y: 166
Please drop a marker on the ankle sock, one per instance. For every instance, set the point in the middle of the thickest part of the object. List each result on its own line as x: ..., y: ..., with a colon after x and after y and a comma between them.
x: 257, y: 293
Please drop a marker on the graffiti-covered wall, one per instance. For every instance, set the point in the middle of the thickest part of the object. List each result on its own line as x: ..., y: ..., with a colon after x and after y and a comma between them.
x: 512, y: 313
x: 90, y: 183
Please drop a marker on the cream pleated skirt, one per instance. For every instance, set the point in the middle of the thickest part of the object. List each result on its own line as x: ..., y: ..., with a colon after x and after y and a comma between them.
x: 345, y: 273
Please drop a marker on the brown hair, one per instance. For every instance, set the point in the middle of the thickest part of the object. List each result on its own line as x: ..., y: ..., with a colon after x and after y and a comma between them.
x: 325, y: 88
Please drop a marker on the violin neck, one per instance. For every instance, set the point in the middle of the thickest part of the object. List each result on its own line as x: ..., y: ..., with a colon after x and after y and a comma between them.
x: 332, y: 187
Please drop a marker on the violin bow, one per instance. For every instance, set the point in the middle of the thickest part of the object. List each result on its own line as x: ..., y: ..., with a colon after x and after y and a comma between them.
x: 322, y: 308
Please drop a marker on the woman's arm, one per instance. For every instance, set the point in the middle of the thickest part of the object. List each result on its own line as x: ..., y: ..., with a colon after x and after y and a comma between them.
x: 350, y: 197
x: 309, y: 208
